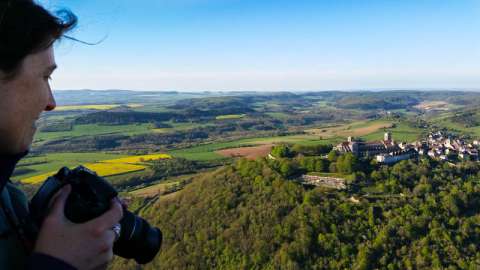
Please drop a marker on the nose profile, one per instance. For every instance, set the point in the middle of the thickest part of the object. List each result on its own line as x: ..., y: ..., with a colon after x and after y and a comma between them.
x: 51, y: 105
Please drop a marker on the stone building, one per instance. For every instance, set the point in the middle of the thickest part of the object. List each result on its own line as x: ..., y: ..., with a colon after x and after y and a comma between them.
x: 361, y: 148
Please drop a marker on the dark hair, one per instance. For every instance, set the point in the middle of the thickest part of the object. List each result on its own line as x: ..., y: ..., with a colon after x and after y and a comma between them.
x: 27, y: 28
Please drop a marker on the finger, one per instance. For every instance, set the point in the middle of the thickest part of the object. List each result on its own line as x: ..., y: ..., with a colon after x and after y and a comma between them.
x: 108, y: 219
x: 123, y: 202
x: 102, y: 266
x: 104, y: 258
x: 59, y: 201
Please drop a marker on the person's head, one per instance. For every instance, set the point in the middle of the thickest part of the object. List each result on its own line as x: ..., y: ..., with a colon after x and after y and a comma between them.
x: 27, y: 32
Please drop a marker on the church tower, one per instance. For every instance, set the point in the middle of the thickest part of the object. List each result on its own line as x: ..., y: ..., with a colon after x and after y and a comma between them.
x: 387, y: 136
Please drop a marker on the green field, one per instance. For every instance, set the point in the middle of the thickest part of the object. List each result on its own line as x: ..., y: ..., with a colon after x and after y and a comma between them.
x: 278, y: 115
x: 180, y: 127
x: 153, y: 189
x: 475, y: 131
x: 324, y: 174
x: 401, y: 132
x: 156, y: 188
x: 447, y: 123
x: 94, y: 129
x: 297, y: 139
x: 119, y: 179
x: 325, y: 105
x: 204, y: 152
x: 448, y: 120
x: 207, y: 151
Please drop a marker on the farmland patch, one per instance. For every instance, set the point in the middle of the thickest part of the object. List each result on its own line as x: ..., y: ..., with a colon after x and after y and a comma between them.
x: 251, y: 152
x: 105, y: 168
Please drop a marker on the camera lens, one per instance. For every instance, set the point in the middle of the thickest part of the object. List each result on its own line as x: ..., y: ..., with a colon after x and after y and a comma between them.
x: 138, y: 240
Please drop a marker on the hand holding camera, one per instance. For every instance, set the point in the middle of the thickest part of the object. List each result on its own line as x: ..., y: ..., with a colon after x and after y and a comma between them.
x: 88, y: 219
x: 91, y: 242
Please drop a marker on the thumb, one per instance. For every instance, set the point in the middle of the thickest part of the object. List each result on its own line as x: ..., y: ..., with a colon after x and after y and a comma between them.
x: 59, y: 200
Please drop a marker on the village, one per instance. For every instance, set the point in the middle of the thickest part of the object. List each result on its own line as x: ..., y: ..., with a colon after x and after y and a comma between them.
x: 438, y: 145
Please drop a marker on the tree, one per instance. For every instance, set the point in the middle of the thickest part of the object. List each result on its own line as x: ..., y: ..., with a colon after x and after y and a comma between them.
x: 347, y: 163
x: 332, y: 156
x: 288, y: 168
x: 281, y: 151
x: 311, y: 150
x: 333, y: 167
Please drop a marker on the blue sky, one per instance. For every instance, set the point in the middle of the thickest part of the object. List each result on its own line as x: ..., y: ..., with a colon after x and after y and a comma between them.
x: 271, y: 45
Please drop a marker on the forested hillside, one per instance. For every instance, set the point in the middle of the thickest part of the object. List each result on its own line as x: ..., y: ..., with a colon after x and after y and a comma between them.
x: 247, y: 216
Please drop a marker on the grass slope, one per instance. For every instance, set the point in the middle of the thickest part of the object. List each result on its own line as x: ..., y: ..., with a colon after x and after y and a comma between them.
x: 401, y: 132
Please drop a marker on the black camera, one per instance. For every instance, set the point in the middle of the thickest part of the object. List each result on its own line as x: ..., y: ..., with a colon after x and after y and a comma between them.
x: 90, y: 197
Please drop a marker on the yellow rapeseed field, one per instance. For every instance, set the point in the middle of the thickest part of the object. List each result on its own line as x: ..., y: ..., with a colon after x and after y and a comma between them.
x: 38, y: 178
x: 230, y: 116
x: 138, y: 159
x: 94, y: 107
x: 107, y: 167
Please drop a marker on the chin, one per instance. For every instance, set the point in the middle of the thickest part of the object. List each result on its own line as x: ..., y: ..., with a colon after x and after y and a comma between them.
x: 23, y: 148
x: 26, y: 145
x: 14, y: 150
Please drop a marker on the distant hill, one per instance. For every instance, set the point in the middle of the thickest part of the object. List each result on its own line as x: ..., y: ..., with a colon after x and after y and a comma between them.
x: 83, y: 97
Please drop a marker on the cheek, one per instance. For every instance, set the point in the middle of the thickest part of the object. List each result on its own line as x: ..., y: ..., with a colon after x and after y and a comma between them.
x: 21, y: 102
x: 33, y: 97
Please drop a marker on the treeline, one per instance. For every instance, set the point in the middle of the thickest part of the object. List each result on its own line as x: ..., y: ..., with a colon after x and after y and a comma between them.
x: 56, y: 126
x: 394, y: 99
x: 238, y: 104
x: 467, y: 119
x: 348, y: 165
x: 285, y: 150
x: 247, y: 216
x: 384, y: 102
x: 208, y: 108
x: 163, y: 169
x: 292, y: 161
x: 309, y: 119
x: 127, y: 117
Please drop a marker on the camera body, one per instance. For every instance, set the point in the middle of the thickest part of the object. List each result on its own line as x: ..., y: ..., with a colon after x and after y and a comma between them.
x: 90, y: 197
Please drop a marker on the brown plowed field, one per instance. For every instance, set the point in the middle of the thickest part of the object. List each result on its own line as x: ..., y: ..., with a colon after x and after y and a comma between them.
x: 250, y: 152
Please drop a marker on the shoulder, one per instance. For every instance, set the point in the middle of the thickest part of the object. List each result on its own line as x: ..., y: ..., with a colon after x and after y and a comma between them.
x: 12, y: 253
x: 16, y: 195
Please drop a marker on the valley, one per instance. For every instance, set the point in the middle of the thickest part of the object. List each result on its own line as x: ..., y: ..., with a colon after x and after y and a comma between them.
x: 256, y: 180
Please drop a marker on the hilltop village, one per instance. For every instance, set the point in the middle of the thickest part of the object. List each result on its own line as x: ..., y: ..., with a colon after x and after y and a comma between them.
x: 437, y: 145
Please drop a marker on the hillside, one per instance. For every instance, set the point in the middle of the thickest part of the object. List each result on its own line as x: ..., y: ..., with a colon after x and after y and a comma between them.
x: 247, y: 216
x: 219, y: 211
